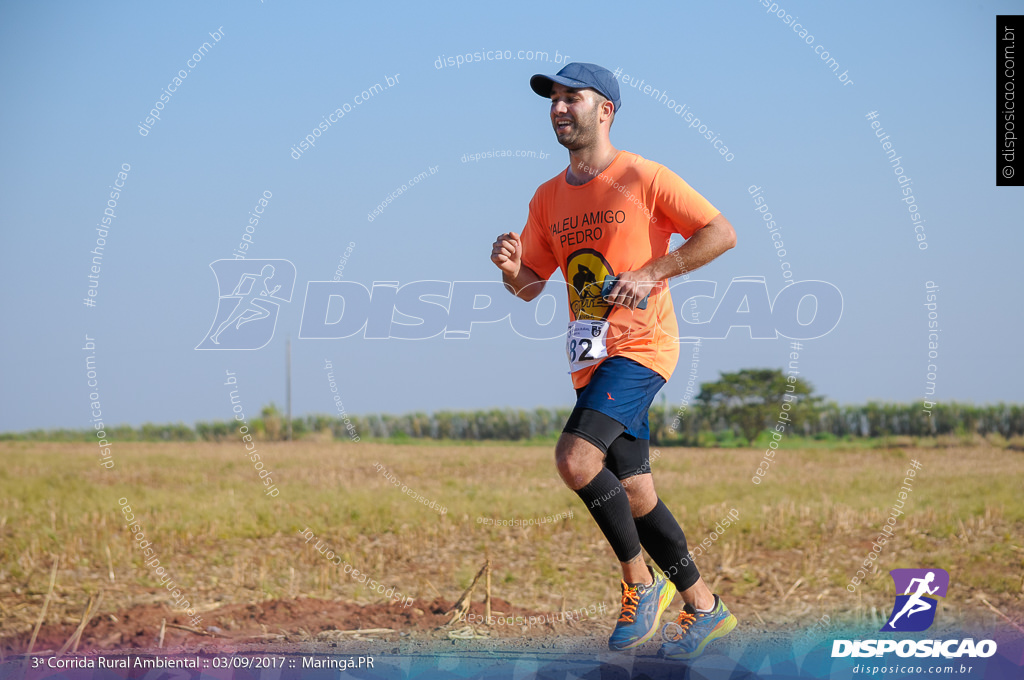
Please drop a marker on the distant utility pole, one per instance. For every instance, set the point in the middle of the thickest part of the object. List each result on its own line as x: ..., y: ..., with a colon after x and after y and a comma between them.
x: 288, y: 386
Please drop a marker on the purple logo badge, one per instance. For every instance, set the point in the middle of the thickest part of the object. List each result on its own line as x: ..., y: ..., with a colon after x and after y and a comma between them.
x: 917, y: 591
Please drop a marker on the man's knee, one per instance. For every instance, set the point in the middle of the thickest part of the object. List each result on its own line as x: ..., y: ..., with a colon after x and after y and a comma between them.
x: 641, y: 494
x: 578, y: 461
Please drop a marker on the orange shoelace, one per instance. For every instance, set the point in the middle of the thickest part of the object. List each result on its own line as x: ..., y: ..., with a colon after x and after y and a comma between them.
x: 630, y: 599
x: 684, y: 621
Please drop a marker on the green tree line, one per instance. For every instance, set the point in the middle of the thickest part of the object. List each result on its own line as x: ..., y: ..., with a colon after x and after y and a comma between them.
x: 735, y: 409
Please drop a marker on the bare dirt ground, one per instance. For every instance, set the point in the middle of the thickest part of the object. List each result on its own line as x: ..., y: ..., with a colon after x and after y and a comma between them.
x: 302, y: 620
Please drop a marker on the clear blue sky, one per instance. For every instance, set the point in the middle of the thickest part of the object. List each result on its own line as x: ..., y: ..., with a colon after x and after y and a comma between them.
x: 78, y: 79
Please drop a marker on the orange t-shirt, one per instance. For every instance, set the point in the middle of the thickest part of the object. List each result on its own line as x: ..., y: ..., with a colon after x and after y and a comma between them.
x: 616, y: 222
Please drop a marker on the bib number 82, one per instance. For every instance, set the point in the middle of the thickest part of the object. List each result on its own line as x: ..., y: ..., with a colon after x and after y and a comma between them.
x: 585, y: 345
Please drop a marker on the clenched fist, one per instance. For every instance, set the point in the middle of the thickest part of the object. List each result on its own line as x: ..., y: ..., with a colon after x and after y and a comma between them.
x: 507, y: 254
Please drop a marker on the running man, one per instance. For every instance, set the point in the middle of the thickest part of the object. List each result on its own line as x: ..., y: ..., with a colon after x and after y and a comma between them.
x: 608, y: 217
x: 915, y: 603
x: 250, y: 302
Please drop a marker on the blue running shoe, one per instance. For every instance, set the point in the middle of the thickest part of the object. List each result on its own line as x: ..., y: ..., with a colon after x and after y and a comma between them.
x: 642, y: 607
x: 690, y: 633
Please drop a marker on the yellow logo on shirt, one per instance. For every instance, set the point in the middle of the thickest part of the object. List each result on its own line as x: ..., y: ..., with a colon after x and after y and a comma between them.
x: 586, y: 272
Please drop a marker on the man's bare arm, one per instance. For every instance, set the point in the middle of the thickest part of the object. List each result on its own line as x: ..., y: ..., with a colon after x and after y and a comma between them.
x: 520, y: 280
x: 706, y: 244
x: 526, y: 286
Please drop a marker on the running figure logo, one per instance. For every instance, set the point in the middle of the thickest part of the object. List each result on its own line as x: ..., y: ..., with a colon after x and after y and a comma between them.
x: 247, y: 315
x: 915, y: 608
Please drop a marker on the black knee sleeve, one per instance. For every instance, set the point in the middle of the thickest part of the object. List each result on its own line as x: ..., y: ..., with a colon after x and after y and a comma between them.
x: 607, y: 502
x: 663, y: 538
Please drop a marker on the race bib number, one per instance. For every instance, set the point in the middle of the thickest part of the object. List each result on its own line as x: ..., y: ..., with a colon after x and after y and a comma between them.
x: 585, y: 343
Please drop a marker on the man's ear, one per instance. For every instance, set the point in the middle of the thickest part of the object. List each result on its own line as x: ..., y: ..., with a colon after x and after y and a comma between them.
x: 609, y: 110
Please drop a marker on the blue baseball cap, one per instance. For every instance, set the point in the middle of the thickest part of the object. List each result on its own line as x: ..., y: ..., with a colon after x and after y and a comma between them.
x: 578, y: 76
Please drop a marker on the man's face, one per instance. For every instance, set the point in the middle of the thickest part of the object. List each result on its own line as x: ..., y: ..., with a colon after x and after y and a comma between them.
x: 574, y: 115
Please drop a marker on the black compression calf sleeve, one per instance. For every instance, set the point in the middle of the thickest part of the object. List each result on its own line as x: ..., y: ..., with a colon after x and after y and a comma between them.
x: 607, y: 501
x: 663, y: 538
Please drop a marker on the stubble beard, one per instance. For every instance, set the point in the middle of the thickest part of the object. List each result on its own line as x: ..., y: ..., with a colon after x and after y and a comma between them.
x: 584, y: 132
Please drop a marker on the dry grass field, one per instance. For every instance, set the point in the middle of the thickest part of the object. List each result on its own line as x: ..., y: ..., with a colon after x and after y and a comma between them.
x: 799, y: 539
